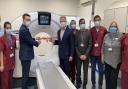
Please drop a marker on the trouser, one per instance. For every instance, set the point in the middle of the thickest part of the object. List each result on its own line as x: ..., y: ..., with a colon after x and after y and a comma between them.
x: 25, y: 73
x: 85, y: 70
x: 65, y: 66
x: 6, y: 79
x: 111, y: 76
x: 124, y: 80
x: 73, y: 70
x: 96, y: 60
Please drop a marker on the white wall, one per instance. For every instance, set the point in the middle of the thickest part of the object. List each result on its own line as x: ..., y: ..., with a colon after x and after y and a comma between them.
x: 11, y: 9
x: 101, y: 5
x: 120, y: 3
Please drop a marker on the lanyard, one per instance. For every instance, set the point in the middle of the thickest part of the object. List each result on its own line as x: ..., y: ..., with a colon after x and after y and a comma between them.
x: 11, y: 41
x: 82, y: 37
x: 97, y: 34
x: 111, y: 39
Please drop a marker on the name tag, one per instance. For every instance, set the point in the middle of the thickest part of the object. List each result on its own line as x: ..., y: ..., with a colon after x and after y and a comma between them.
x: 11, y: 55
x: 82, y: 45
x: 96, y: 45
x: 109, y: 49
x: 116, y: 38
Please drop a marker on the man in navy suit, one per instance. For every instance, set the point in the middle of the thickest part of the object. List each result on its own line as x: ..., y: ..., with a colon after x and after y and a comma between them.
x: 26, y: 53
x: 66, y: 46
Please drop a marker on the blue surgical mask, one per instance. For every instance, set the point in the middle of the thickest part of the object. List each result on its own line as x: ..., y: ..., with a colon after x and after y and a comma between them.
x: 113, y: 29
x: 8, y: 31
x: 97, y: 23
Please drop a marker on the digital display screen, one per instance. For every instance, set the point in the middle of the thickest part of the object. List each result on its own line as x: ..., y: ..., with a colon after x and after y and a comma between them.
x: 44, y: 18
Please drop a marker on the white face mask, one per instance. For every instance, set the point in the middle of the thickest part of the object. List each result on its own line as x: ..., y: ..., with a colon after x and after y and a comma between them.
x: 27, y: 23
x: 82, y: 26
x: 63, y: 24
x: 73, y: 26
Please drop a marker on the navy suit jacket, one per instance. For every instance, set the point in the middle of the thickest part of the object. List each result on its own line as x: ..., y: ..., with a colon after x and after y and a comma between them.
x: 26, y: 44
x: 66, y: 45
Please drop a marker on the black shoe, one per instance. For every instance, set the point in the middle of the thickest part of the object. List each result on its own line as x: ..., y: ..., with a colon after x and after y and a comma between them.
x: 73, y: 82
x: 84, y: 86
x: 100, y: 87
x: 78, y: 86
x: 93, y: 87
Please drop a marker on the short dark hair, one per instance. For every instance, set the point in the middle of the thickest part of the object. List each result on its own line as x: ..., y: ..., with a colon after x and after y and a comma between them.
x: 24, y: 15
x: 6, y: 23
x: 73, y: 21
x: 97, y: 16
x: 81, y: 20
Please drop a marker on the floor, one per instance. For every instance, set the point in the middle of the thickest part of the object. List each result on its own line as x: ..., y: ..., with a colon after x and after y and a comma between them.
x: 89, y: 85
x: 33, y: 83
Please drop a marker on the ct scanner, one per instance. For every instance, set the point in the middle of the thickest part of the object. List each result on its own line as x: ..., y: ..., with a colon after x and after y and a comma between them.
x: 45, y: 66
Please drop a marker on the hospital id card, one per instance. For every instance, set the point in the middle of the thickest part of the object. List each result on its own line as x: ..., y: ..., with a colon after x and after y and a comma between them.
x: 11, y: 55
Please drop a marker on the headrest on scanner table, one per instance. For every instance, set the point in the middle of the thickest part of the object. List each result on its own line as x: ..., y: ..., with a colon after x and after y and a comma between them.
x: 53, y: 77
x: 46, y: 47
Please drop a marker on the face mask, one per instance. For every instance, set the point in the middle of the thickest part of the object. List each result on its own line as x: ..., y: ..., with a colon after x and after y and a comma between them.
x: 113, y: 29
x: 8, y: 31
x: 73, y: 26
x: 27, y: 23
x: 82, y: 26
x: 63, y: 24
x: 97, y: 23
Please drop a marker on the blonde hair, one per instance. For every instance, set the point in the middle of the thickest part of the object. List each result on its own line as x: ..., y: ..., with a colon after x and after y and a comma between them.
x: 117, y: 26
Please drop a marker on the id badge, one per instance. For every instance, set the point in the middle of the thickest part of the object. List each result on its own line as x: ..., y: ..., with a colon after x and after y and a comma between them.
x: 11, y: 55
x: 11, y: 48
x: 116, y: 38
x: 109, y: 49
x: 96, y: 45
x: 82, y: 45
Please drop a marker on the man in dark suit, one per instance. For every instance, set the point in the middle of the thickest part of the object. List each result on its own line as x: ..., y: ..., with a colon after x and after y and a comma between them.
x: 66, y: 48
x: 83, y: 44
x: 26, y: 53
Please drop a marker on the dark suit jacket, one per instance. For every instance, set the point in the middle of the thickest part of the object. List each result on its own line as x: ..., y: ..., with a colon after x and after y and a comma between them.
x: 26, y: 44
x: 87, y: 41
x: 66, y: 45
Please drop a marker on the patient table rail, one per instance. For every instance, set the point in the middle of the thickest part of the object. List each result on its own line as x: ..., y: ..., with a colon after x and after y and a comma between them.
x: 50, y: 76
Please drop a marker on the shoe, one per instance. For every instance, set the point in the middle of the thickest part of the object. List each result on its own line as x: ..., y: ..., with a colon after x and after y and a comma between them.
x: 100, y: 87
x: 78, y: 86
x: 80, y: 82
x: 84, y: 86
x: 73, y: 82
x: 93, y: 87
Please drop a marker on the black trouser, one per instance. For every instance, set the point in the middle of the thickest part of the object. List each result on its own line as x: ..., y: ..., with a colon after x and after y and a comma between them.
x: 85, y: 70
x: 65, y: 66
x: 25, y: 73
x: 111, y: 76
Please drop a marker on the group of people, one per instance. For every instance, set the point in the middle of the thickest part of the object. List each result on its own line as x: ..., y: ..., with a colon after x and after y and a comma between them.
x: 7, y: 53
x: 106, y: 48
